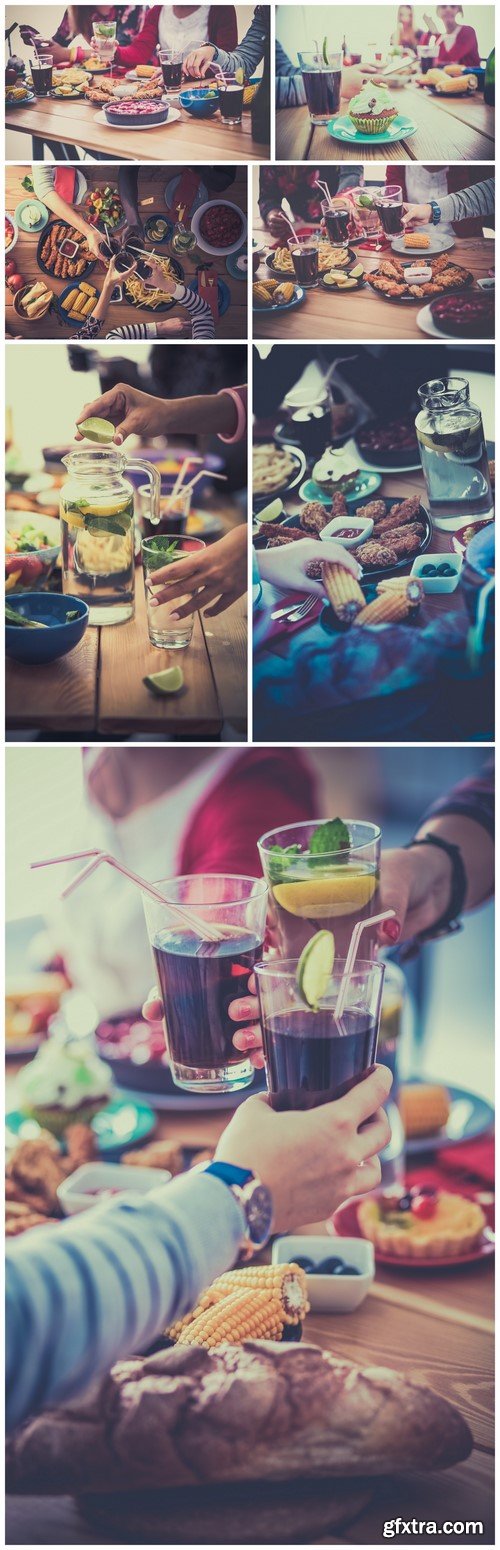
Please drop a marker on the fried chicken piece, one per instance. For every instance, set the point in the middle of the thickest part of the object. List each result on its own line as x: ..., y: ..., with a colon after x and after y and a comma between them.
x: 313, y: 517
x: 159, y: 1154
x: 375, y: 556
x: 407, y: 540
x: 36, y: 1167
x: 277, y: 533
x: 440, y: 262
x: 392, y: 268
x: 374, y: 511
x: 430, y: 288
x: 314, y: 570
x: 403, y: 511
x: 339, y: 505
x: 81, y: 1147
x: 388, y: 287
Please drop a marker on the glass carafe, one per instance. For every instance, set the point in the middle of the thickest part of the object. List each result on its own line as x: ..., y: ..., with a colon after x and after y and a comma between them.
x: 453, y: 453
x: 97, y: 529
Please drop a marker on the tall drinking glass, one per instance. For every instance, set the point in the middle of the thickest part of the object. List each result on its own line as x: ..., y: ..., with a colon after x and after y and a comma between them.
x: 311, y: 1056
x: 322, y: 81
x: 427, y: 56
x: 174, y: 513
x: 41, y: 74
x: 388, y: 203
x: 311, y: 891
x: 199, y: 978
x: 336, y: 218
x: 230, y: 100
x: 305, y: 256
x: 171, y: 68
x: 165, y: 549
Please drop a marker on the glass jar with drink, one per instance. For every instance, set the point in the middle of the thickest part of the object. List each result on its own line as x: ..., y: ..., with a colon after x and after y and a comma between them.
x: 322, y: 76
x: 41, y: 74
x: 165, y: 549
x: 453, y: 453
x: 309, y: 416
x: 97, y: 530
x: 322, y: 876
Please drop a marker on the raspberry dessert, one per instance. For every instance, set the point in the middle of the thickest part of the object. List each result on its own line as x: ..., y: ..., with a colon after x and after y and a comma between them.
x: 465, y: 317
x: 422, y: 1223
x: 131, y: 112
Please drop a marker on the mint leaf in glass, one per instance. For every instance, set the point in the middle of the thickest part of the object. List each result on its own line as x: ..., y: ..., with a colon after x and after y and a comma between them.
x: 331, y: 836
x: 279, y: 859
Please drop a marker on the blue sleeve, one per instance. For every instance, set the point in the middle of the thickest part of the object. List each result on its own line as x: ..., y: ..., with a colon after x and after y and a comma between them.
x: 104, y: 1284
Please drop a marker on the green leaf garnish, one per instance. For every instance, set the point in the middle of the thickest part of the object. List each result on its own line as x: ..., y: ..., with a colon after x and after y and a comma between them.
x: 279, y: 860
x: 27, y: 183
x: 331, y: 836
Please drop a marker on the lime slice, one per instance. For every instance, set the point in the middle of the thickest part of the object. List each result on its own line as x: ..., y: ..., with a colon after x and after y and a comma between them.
x: 168, y: 682
x: 315, y: 967
x: 366, y: 201
x: 96, y: 430
x: 271, y: 512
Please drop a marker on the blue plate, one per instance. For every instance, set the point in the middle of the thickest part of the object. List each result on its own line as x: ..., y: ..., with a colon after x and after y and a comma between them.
x: 64, y: 316
x: 237, y: 266
x: 159, y: 242
x: 286, y: 306
x: 40, y: 223
x: 365, y: 486
x: 469, y: 1116
x: 343, y: 129
x: 49, y: 608
x: 123, y: 1123
x: 223, y: 293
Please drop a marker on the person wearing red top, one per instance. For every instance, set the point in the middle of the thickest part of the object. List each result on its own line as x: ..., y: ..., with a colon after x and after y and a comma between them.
x: 457, y: 45
x: 220, y: 25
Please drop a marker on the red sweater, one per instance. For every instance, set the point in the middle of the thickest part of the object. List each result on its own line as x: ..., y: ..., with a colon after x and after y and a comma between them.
x: 263, y: 789
x: 464, y: 50
x: 222, y: 32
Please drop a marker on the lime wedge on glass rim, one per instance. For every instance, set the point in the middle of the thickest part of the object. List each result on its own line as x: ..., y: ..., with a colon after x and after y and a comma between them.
x: 315, y: 967
x: 95, y: 429
x: 168, y: 682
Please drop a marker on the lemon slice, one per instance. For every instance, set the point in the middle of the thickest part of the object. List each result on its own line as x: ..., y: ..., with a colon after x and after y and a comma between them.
x: 96, y: 430
x: 168, y: 682
x: 315, y: 967
x: 341, y: 892
x: 239, y: 76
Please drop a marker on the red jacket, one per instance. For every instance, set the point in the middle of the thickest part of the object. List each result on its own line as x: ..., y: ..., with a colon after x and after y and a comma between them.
x: 464, y: 50
x: 458, y: 177
x: 222, y: 32
x: 262, y: 789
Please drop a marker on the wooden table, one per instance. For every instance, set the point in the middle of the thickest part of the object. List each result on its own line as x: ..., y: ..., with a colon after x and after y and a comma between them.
x: 186, y: 139
x: 362, y: 314
x: 437, y: 1328
x: 98, y: 688
x: 152, y: 184
x: 448, y: 129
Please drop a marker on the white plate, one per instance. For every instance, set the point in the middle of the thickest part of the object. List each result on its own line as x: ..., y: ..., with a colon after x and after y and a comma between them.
x: 205, y: 246
x: 426, y: 322
x: 100, y: 118
x: 439, y: 243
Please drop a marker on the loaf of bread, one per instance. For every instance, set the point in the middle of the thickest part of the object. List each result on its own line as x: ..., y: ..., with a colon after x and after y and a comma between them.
x: 257, y: 1411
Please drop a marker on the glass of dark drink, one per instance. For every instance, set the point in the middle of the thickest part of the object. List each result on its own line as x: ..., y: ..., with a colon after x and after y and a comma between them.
x: 171, y: 69
x: 230, y: 101
x: 389, y: 205
x: 336, y: 219
x: 41, y: 75
x: 322, y: 80
x: 305, y: 257
x: 426, y: 57
x: 311, y: 1056
x: 199, y: 977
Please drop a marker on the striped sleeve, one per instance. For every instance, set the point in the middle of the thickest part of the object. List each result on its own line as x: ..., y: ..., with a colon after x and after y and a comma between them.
x: 469, y: 203
x: 203, y: 325
x: 134, y: 331
x: 473, y: 798
x: 104, y: 1284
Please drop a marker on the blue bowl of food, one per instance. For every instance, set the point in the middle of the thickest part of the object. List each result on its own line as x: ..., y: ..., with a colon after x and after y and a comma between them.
x: 49, y: 626
x: 202, y: 103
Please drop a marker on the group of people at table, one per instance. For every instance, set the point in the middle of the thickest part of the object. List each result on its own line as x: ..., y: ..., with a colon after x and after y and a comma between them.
x: 82, y: 1294
x: 455, y: 43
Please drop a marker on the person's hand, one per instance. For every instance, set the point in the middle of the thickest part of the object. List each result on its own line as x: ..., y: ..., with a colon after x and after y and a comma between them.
x: 131, y: 412
x: 286, y: 566
x: 198, y: 63
x: 277, y: 224
x: 313, y: 1159
x: 217, y: 575
x: 115, y: 276
x: 416, y: 884
x: 94, y: 240
x: 157, y: 279
x: 28, y: 34
x: 354, y: 78
x: 169, y: 326
x: 416, y: 213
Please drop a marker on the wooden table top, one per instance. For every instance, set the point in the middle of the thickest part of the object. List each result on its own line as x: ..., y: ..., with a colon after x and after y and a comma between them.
x: 152, y: 184
x: 360, y: 314
x: 98, y: 688
x: 436, y: 1327
x: 448, y: 129
x: 186, y: 139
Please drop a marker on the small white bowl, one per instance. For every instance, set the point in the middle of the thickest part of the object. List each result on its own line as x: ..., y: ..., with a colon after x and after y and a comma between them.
x: 438, y: 583
x: 331, y: 1294
x: 363, y: 525
x: 76, y: 1193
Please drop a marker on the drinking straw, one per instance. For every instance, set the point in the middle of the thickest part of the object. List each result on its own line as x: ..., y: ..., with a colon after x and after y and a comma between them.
x: 194, y: 481
x: 192, y: 458
x: 202, y: 929
x: 325, y: 190
x: 352, y: 954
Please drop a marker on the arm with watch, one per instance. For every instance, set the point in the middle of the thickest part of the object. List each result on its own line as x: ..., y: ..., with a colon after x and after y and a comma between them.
x: 474, y: 203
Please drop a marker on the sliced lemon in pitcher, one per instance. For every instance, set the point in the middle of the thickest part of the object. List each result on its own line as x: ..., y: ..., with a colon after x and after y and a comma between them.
x: 343, y: 891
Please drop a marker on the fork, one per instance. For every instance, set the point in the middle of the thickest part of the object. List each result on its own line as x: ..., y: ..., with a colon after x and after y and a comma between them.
x: 295, y: 612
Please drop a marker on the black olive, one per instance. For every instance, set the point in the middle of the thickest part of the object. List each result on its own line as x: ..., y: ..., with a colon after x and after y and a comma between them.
x: 445, y: 570
x: 404, y: 1202
x: 304, y: 1263
x: 292, y: 1333
x: 329, y: 1267
x: 428, y: 570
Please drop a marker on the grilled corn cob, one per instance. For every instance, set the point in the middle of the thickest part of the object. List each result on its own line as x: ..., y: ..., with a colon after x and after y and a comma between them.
x: 424, y: 1109
x: 284, y: 292
x: 286, y: 1281
x: 262, y: 294
x: 416, y: 239
x: 251, y: 1313
x: 343, y: 592
x: 393, y: 584
x: 389, y: 608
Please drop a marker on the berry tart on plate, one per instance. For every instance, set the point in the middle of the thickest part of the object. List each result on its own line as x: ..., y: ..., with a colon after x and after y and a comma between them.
x: 422, y: 1223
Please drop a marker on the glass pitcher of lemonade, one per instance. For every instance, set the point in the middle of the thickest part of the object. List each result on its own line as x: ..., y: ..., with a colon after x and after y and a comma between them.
x: 97, y: 529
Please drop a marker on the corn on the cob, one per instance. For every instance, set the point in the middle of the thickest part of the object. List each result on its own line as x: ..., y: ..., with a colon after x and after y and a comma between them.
x: 416, y: 239
x: 392, y: 584
x: 288, y: 1282
x: 247, y: 1314
x: 391, y: 607
x: 343, y: 591
x: 424, y: 1109
x: 261, y: 293
x: 284, y: 292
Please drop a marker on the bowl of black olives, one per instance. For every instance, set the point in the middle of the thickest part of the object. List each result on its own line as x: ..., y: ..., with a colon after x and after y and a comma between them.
x: 339, y: 1271
x: 438, y: 572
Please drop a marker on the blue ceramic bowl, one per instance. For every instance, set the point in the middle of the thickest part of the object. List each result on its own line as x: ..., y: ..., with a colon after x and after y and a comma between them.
x: 202, y: 103
x: 36, y: 646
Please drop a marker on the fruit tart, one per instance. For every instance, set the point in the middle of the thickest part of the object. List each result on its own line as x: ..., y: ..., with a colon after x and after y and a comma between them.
x: 423, y: 1223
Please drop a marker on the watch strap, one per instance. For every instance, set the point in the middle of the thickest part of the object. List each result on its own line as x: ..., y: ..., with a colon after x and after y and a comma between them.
x: 436, y: 212
x: 449, y: 921
x: 229, y: 1173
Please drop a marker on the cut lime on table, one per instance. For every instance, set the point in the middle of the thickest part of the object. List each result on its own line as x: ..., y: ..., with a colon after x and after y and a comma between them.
x: 315, y: 968
x: 168, y: 682
x: 95, y: 429
x: 341, y: 892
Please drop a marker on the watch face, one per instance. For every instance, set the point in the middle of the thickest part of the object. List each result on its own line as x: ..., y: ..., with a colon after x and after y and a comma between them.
x: 259, y: 1214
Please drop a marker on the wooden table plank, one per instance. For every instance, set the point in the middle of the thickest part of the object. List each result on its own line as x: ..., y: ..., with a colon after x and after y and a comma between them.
x: 152, y: 184
x: 360, y: 315
x: 226, y: 638
x: 58, y: 697
x: 78, y: 123
x: 464, y: 1494
x: 126, y: 705
x: 459, y: 129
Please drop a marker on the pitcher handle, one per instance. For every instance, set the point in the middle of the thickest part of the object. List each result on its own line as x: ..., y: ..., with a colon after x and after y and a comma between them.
x: 154, y: 481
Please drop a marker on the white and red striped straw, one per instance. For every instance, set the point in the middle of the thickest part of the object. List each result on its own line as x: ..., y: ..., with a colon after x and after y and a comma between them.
x: 362, y: 925
x: 202, y: 928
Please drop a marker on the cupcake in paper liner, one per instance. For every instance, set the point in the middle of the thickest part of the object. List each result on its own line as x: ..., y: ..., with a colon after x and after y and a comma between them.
x: 65, y: 1084
x: 372, y: 111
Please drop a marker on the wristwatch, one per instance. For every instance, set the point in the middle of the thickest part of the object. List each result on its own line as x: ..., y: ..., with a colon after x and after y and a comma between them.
x: 254, y: 1198
x: 449, y: 921
x: 435, y: 212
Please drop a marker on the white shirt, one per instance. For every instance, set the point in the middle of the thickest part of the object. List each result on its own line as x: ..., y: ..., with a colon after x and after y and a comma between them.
x: 182, y: 33
x: 422, y: 186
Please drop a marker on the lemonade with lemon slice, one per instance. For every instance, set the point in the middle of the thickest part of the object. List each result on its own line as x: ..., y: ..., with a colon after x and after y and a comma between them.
x: 321, y: 875
x: 97, y: 523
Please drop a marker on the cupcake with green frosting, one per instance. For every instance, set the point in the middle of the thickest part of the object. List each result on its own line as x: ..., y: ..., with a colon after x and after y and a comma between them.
x: 372, y: 110
x: 65, y: 1084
